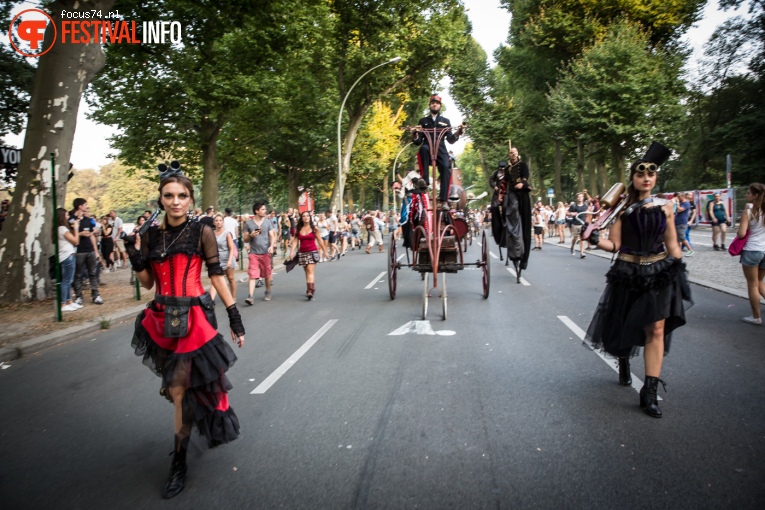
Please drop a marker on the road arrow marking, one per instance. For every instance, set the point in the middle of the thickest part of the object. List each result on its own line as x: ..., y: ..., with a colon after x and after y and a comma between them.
x: 420, y: 328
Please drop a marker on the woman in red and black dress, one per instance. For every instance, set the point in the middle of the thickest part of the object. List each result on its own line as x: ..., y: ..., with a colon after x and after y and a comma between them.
x: 309, y: 251
x: 177, y: 333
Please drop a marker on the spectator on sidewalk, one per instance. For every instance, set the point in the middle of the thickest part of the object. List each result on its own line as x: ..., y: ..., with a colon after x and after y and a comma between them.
x: 67, y: 242
x: 260, y: 233
x: 681, y: 222
x: 717, y: 212
x: 577, y: 222
x: 691, y: 218
x: 226, y: 248
x: 117, y: 242
x: 232, y: 226
x: 753, y: 255
x: 333, y: 225
x: 87, y: 260
x: 107, y: 243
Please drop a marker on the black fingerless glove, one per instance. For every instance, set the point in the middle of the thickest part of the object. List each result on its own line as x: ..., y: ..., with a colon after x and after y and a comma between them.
x: 135, y: 255
x: 235, y: 320
x: 594, y: 238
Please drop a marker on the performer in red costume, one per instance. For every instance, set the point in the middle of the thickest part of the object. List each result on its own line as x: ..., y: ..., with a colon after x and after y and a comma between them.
x: 177, y: 332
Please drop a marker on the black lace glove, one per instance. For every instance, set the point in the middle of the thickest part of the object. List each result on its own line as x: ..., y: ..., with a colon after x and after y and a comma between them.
x: 235, y: 320
x: 594, y: 238
x: 134, y: 254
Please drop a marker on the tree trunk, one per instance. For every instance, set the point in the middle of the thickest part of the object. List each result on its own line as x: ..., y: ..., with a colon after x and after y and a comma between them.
x: 486, y: 170
x: 558, y: 164
x: 595, y: 187
x: 579, y: 166
x: 62, y: 76
x: 350, y: 199
x: 350, y: 136
x: 210, y: 131
x: 293, y: 194
x: 617, y: 158
x: 362, y: 196
x: 600, y: 169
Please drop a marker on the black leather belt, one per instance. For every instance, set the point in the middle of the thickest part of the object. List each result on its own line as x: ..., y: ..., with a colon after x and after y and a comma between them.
x: 177, y: 300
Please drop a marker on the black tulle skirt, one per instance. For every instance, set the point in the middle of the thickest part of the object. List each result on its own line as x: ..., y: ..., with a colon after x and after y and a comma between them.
x: 203, y: 372
x: 635, y: 297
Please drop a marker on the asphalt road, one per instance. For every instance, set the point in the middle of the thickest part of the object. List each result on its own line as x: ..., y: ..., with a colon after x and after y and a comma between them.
x: 499, y: 406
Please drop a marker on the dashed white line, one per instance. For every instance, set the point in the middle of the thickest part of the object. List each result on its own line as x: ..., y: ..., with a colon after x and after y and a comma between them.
x: 377, y: 279
x: 492, y: 254
x: 276, y: 374
x: 523, y: 280
x: 636, y: 382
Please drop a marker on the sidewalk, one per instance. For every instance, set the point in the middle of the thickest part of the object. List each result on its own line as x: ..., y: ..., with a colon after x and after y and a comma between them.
x: 708, y: 268
x: 31, y: 327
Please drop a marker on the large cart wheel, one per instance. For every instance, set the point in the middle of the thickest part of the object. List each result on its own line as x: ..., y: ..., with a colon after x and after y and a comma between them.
x: 425, y: 297
x: 392, y: 267
x: 443, y: 295
x: 485, y: 265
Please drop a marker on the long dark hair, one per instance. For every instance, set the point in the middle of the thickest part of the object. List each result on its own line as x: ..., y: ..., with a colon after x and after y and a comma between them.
x: 301, y: 224
x: 758, y: 205
x: 62, y: 220
x: 632, y: 194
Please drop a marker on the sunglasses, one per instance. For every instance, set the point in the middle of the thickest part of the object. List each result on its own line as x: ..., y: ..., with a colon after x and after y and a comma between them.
x: 650, y: 168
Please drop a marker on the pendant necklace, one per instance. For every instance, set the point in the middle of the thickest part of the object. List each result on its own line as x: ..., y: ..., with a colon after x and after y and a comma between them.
x: 164, y: 248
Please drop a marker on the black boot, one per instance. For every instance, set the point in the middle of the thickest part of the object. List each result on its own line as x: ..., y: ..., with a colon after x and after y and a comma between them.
x: 517, y: 271
x: 625, y: 377
x: 648, y: 400
x: 177, y: 478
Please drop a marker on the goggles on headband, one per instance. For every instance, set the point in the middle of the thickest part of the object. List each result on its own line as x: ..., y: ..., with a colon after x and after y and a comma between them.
x: 650, y: 168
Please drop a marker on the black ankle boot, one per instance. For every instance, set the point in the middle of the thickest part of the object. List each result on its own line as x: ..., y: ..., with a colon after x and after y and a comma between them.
x: 648, y: 400
x: 625, y: 377
x: 177, y: 478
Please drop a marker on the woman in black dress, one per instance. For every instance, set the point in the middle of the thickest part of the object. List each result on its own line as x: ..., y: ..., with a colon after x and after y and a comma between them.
x: 177, y: 332
x: 644, y: 298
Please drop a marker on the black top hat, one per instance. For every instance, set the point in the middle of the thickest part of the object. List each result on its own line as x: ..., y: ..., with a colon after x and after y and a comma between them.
x: 421, y: 184
x: 657, y: 153
x: 502, y: 164
x: 164, y: 172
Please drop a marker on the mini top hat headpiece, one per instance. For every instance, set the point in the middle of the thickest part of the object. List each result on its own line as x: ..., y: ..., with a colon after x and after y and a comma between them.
x: 164, y: 172
x: 502, y: 164
x: 435, y: 97
x: 657, y: 154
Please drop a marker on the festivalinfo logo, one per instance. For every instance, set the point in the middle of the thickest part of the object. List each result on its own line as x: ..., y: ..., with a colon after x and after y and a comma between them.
x: 28, y: 28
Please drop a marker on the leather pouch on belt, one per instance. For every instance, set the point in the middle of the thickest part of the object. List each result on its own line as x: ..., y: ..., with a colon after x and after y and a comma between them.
x: 209, y: 308
x: 177, y: 318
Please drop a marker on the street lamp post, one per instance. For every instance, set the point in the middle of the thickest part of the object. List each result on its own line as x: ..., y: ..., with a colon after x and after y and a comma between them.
x: 339, y: 138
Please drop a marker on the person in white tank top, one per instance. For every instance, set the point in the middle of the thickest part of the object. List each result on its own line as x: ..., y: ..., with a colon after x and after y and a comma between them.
x: 753, y: 255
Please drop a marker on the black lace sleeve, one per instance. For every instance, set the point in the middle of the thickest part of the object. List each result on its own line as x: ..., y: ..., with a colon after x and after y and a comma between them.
x: 209, y: 248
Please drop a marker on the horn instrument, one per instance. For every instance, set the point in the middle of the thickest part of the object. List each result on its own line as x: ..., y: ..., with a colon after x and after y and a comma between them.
x: 611, y: 204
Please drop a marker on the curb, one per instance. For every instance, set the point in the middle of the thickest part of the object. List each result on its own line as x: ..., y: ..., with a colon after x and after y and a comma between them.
x: 36, y: 344
x: 39, y: 343
x: 696, y: 281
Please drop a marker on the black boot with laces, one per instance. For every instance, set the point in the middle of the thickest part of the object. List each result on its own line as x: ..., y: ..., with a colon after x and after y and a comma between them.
x: 177, y: 478
x: 625, y: 377
x: 648, y: 399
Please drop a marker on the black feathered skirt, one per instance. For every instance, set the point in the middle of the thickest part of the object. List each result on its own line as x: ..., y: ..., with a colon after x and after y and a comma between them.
x: 198, y: 362
x: 635, y: 297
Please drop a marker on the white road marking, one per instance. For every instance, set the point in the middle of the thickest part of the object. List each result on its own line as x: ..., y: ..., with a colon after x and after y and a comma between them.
x: 492, y: 254
x: 276, y: 374
x: 523, y: 280
x: 377, y: 279
x: 401, y: 257
x: 420, y: 328
x: 636, y: 382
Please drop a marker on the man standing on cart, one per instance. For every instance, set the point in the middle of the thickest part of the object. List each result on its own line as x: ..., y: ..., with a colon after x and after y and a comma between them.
x: 435, y: 120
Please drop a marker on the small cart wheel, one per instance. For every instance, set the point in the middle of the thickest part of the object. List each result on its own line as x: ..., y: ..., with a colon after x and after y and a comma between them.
x: 485, y: 266
x: 392, y: 267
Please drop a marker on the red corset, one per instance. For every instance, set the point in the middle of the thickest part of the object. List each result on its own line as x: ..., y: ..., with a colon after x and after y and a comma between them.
x: 178, y: 275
